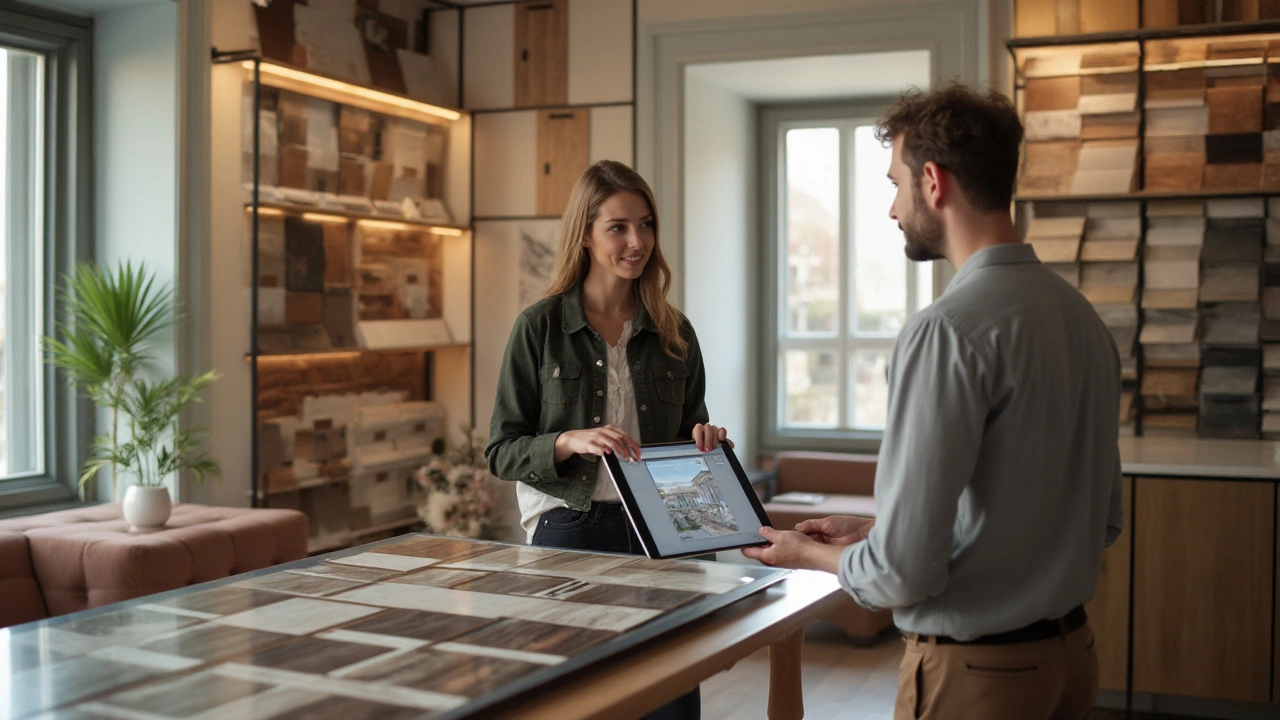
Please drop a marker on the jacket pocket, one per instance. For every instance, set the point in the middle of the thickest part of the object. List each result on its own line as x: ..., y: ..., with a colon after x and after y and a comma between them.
x: 560, y: 383
x: 669, y: 383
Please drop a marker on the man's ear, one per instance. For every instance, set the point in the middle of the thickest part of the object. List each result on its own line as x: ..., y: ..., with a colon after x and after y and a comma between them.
x: 934, y: 184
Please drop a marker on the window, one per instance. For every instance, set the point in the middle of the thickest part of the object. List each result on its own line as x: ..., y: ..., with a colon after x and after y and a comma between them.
x: 841, y: 286
x: 43, y: 139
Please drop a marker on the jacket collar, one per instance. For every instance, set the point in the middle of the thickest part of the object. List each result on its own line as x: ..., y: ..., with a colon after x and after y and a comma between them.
x: 574, y: 318
x: 1003, y: 254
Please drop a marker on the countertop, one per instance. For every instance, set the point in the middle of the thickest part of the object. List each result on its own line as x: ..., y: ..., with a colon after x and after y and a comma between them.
x: 1181, y: 457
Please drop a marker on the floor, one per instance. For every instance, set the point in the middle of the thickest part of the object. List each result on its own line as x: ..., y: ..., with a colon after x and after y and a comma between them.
x: 841, y: 682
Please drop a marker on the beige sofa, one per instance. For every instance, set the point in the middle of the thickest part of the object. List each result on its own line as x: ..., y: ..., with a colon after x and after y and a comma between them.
x: 61, y: 562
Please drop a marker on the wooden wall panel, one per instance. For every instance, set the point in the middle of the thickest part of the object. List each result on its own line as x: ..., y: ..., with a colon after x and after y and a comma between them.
x: 1068, y: 12
x: 1108, y: 15
x: 1202, y: 588
x: 542, y: 53
x: 1035, y: 18
x: 1109, y: 609
x: 564, y: 146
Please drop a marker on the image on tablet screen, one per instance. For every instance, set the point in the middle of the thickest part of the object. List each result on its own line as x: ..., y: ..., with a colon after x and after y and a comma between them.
x: 692, y: 498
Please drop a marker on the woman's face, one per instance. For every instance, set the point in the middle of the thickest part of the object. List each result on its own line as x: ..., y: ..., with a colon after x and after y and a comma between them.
x: 621, y: 237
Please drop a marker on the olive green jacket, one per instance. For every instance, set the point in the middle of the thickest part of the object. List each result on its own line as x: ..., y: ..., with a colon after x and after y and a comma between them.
x: 554, y: 378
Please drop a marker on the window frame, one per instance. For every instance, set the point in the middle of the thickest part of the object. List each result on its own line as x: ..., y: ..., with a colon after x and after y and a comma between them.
x: 65, y: 41
x: 772, y: 122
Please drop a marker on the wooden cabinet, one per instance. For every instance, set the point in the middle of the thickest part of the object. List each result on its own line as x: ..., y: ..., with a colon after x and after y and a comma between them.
x: 1109, y: 609
x: 1204, y: 564
x: 564, y: 143
x: 542, y: 53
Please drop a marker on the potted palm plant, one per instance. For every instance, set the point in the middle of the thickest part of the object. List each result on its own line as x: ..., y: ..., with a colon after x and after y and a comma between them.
x: 106, y: 347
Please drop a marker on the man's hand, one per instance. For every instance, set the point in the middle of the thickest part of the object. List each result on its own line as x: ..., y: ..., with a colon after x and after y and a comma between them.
x: 794, y: 550
x: 837, y: 529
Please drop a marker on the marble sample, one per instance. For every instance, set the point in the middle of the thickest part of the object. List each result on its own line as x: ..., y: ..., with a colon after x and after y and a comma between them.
x: 297, y: 616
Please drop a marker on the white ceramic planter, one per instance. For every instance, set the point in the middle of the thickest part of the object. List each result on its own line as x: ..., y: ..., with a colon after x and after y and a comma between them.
x: 147, y: 508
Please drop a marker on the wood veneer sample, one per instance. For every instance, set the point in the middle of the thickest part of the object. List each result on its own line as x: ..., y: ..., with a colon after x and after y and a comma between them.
x: 303, y: 308
x: 1234, y: 148
x: 1035, y: 18
x: 563, y: 153
x: 1231, y: 324
x: 351, y: 176
x: 1184, y: 299
x: 1233, y: 240
x: 1233, y: 176
x: 1052, y: 94
x: 1271, y: 303
x: 1240, y: 10
x: 1153, y: 334
x: 1229, y: 283
x: 1055, y: 250
x: 1112, y: 126
x: 1056, y: 93
x: 1042, y: 125
x: 1234, y: 109
x: 304, y: 256
x: 1109, y: 250
x: 1187, y: 83
x: 1067, y: 271
x: 1159, y: 13
x: 1174, y: 144
x: 1174, y: 423
x: 1173, y: 171
x: 1109, y: 84
x: 1167, y: 122
x: 542, y: 54
x: 293, y: 166
x: 1171, y: 355
x: 1108, y: 15
x: 1068, y: 13
x: 1055, y: 227
x: 337, y: 253
x: 1235, y: 380
x: 1170, y: 382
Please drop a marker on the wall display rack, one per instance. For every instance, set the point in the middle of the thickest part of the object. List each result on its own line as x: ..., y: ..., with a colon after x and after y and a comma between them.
x: 360, y: 292
x: 1150, y: 179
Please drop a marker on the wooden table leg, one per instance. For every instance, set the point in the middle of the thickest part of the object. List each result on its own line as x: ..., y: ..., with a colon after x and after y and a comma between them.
x: 785, y: 698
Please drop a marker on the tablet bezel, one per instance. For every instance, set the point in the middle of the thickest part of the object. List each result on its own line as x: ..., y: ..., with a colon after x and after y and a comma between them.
x: 632, y: 508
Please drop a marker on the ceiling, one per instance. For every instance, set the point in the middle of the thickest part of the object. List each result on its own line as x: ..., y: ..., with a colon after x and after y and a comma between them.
x: 820, y: 77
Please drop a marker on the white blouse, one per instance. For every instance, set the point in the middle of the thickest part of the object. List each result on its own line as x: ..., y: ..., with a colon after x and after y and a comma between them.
x: 620, y: 410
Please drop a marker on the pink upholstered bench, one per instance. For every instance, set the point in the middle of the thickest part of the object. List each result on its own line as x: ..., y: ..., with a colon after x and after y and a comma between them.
x: 61, y: 562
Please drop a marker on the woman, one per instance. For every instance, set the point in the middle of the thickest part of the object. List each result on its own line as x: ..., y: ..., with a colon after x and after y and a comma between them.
x: 602, y: 364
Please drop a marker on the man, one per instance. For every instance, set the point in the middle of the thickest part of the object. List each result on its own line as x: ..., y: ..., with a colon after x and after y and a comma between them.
x: 998, y: 482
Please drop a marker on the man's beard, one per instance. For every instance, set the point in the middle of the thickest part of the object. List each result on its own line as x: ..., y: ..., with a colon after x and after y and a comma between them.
x: 923, y: 233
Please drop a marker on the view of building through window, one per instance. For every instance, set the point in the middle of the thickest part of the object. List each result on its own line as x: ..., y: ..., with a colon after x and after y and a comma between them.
x: 848, y: 287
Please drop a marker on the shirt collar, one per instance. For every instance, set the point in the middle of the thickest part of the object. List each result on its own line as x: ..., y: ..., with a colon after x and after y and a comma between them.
x: 575, y: 318
x: 1002, y: 254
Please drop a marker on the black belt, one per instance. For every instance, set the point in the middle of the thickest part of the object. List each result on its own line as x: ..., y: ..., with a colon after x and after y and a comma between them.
x: 1038, y: 630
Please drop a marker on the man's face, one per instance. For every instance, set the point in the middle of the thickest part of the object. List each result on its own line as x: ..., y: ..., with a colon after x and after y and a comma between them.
x: 920, y: 226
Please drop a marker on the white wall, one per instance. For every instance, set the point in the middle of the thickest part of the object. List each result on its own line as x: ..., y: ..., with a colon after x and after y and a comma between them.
x: 720, y: 251
x: 135, y: 99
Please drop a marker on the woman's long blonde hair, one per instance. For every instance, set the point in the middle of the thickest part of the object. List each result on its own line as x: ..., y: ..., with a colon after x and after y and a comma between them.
x: 598, y: 183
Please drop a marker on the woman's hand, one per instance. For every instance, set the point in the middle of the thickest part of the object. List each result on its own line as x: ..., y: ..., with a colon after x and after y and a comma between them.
x: 597, y: 441
x: 708, y: 437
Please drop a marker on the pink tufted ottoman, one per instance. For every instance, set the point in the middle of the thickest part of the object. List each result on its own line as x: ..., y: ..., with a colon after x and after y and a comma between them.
x: 88, y: 557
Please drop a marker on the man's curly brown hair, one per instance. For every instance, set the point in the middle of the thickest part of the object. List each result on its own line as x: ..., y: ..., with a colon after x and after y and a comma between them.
x: 974, y: 136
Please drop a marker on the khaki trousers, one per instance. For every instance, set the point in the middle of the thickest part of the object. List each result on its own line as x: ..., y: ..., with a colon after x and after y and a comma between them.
x: 1054, y: 679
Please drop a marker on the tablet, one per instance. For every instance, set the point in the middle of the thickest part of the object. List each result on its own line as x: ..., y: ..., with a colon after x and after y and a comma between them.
x: 682, y: 501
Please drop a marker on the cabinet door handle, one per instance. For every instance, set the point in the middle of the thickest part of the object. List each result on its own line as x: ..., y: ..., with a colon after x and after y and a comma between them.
x: 546, y: 168
x: 524, y: 55
x: 542, y: 6
x: 562, y: 116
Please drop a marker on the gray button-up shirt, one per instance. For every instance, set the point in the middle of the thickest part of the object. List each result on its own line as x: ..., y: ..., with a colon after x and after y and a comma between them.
x: 998, y: 481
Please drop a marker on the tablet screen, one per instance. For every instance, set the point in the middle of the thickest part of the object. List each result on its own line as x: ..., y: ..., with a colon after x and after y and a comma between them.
x: 688, y: 502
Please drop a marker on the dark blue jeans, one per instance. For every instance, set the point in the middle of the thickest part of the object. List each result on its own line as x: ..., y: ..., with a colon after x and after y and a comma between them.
x: 605, y: 528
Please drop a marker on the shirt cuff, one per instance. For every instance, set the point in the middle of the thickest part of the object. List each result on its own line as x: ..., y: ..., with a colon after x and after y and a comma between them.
x: 542, y: 455
x: 845, y: 574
